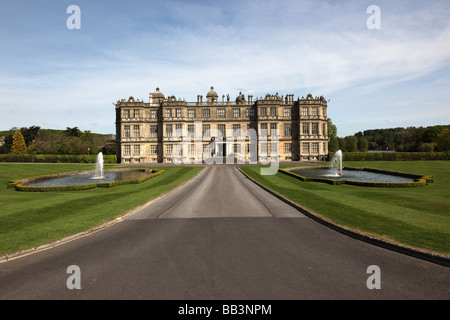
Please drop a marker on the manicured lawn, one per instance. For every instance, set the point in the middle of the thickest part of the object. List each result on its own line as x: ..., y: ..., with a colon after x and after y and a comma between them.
x: 28, y: 219
x: 418, y: 217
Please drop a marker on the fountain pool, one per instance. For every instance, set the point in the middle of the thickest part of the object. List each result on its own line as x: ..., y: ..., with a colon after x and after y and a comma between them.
x: 352, y: 174
x: 82, y: 180
x: 335, y: 173
x: 87, y: 178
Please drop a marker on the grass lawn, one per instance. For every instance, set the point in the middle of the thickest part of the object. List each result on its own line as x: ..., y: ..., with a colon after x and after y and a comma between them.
x: 28, y: 219
x: 418, y: 217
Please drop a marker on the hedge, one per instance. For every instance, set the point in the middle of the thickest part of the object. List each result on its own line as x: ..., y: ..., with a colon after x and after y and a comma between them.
x: 419, y: 180
x: 393, y: 156
x: 20, y: 186
x: 56, y: 158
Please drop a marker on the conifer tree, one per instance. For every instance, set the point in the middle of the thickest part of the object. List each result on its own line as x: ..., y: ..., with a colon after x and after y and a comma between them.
x: 18, y: 145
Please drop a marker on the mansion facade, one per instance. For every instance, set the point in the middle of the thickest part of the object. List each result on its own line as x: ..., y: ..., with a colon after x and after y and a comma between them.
x: 244, y: 130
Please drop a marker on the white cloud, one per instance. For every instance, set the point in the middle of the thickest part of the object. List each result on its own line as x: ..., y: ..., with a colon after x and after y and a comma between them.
x: 269, y: 46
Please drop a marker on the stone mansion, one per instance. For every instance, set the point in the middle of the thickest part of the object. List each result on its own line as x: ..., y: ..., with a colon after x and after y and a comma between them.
x: 244, y: 130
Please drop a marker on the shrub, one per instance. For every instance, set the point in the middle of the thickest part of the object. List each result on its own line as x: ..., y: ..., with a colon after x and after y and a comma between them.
x: 393, y: 156
x: 54, y: 158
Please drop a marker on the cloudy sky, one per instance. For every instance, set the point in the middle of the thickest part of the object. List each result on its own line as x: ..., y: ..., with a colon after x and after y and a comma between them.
x: 56, y: 77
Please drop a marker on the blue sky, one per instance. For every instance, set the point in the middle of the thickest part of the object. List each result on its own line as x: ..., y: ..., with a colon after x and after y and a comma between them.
x: 54, y: 77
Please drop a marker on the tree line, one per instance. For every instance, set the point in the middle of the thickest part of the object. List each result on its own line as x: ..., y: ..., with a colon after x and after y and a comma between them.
x: 410, y: 139
x: 72, y: 141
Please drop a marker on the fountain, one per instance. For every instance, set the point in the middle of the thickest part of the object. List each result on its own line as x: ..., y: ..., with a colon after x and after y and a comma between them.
x: 336, y: 164
x: 87, y: 177
x: 98, y: 173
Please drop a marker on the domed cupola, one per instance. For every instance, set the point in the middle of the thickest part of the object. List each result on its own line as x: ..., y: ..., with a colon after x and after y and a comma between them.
x: 212, y: 96
x: 156, y: 97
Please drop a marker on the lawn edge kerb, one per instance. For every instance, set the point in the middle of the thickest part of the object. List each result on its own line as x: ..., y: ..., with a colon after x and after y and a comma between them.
x: 20, y: 184
x: 419, y: 180
x: 359, y: 234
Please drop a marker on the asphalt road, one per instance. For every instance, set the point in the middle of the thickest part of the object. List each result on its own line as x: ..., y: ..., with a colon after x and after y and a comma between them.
x: 221, y: 237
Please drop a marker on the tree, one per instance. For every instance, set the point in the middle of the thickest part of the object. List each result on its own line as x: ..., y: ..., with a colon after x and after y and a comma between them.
x: 351, y: 143
x: 73, y: 132
x: 333, y: 141
x: 431, y: 134
x: 6, y: 147
x: 18, y: 145
x: 444, y: 140
x: 363, y: 144
x: 30, y: 134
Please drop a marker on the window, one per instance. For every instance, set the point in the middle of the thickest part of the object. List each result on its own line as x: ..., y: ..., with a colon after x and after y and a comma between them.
x: 287, y: 130
x: 221, y: 130
x: 178, y: 150
x: 263, y: 112
x: 287, y: 147
x: 168, y: 113
x: 250, y: 112
x: 304, y: 111
x: 236, y: 130
x: 273, y: 129
x: 191, y: 130
x: 205, y: 113
x: 263, y: 129
x: 305, y: 147
x: 169, y: 149
x: 126, y: 131
x: 126, y: 150
x: 126, y: 114
x: 324, y: 129
x: 136, y: 113
x: 273, y: 111
x: 191, y: 113
x: 206, y: 149
x: 315, y: 147
x: 273, y: 148
x: 237, y: 148
x: 287, y: 112
x: 168, y: 130
x: 236, y: 113
x: 206, y: 130
x: 263, y: 149
x: 220, y: 113
x: 136, y: 149
x: 153, y: 149
x: 315, y: 128
x: 178, y: 113
x: 314, y: 111
x: 136, y: 132
x: 305, y: 128
x: 178, y: 130
x: 191, y: 149
x: 153, y: 131
x: 153, y: 114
